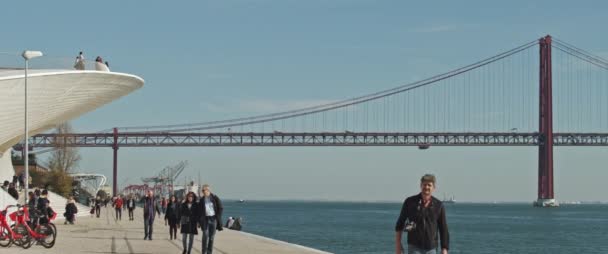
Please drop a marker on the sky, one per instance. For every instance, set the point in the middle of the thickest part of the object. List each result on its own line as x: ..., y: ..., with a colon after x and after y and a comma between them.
x: 213, y: 60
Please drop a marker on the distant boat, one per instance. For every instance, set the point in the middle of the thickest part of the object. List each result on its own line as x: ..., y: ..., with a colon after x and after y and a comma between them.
x: 241, y: 201
x: 424, y: 146
x: 452, y: 200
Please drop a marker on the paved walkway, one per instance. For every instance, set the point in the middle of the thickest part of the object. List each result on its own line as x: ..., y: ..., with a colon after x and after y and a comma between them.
x: 105, y: 235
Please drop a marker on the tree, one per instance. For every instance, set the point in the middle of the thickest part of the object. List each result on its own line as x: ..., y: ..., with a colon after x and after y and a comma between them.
x: 60, y: 183
x: 64, y: 158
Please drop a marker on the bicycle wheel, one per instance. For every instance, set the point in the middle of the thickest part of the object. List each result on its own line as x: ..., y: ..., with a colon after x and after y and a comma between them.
x: 6, y: 239
x: 54, y: 228
x: 50, y: 233
x: 21, y: 241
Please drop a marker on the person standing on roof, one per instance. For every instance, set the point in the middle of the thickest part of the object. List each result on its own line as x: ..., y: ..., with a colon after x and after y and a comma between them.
x: 79, y: 64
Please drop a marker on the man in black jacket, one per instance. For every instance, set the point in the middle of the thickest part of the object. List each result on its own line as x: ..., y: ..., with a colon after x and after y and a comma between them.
x: 211, y: 217
x: 422, y: 216
x: 150, y: 209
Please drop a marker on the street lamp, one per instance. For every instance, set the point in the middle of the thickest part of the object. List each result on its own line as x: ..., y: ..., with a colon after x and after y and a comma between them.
x: 27, y: 55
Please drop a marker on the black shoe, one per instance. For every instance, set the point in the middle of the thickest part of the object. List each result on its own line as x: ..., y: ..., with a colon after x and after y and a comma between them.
x: 184, y: 252
x: 145, y: 237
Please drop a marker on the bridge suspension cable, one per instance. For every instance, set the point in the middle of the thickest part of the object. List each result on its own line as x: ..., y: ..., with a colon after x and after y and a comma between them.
x: 324, y: 107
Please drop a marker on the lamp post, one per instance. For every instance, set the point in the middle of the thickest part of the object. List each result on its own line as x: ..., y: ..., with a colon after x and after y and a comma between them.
x: 27, y: 55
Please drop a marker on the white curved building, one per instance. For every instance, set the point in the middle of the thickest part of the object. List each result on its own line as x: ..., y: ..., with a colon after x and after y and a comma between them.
x: 54, y: 96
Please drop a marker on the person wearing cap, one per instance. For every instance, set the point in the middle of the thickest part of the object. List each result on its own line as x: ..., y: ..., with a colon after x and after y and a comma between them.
x: 423, y: 218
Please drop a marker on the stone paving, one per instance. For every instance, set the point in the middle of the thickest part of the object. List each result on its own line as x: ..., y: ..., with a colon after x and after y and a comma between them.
x: 106, y: 235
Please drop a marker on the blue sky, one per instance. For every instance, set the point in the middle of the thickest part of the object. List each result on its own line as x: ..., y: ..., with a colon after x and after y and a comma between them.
x: 210, y: 60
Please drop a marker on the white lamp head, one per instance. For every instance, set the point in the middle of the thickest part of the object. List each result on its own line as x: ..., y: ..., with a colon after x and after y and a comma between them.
x: 28, y: 54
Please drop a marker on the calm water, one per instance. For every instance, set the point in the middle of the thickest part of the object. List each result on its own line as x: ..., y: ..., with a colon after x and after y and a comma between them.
x: 474, y: 228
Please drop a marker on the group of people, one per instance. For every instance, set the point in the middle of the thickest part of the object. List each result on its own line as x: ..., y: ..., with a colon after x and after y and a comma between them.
x: 422, y: 216
x: 13, y: 187
x: 234, y: 223
x: 99, y: 63
x: 39, y: 207
x: 188, y: 215
x: 119, y: 203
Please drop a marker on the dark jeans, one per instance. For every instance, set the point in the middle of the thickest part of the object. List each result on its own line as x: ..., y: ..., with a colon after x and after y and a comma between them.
x: 148, y: 224
x: 131, y: 213
x: 209, y: 226
x: 173, y: 230
x: 118, y: 213
x: 97, y: 210
x: 185, y: 240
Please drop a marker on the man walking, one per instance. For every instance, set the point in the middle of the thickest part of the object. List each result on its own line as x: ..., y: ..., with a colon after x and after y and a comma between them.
x: 150, y: 209
x: 131, y: 206
x: 118, y: 207
x: 422, y: 216
x: 211, y: 217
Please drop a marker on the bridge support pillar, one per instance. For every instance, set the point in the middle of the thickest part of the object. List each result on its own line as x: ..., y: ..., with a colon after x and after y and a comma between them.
x: 115, y: 164
x: 545, y: 146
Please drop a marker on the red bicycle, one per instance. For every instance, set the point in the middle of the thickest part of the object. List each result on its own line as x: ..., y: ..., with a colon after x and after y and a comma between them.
x: 7, y: 235
x: 44, y: 234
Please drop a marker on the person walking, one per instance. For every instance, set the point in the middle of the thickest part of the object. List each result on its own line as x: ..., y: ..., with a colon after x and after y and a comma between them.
x: 98, y: 202
x: 44, y: 207
x: 163, y: 205
x: 118, y: 207
x: 188, y: 215
x: 70, y: 211
x: 16, y: 181
x: 21, y: 181
x: 32, y: 206
x: 423, y: 217
x: 130, y: 206
x: 150, y: 209
x: 211, y: 217
x: 171, y: 216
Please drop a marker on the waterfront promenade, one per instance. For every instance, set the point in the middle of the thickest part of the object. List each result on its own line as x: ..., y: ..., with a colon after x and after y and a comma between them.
x: 105, y: 235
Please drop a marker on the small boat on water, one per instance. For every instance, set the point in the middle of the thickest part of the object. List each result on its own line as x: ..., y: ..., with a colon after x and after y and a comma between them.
x: 241, y: 201
x: 452, y: 200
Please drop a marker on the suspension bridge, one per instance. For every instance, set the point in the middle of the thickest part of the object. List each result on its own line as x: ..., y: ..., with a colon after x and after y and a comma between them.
x: 543, y: 93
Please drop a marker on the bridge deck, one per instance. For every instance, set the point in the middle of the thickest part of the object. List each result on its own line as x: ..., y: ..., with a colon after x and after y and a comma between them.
x: 154, y: 139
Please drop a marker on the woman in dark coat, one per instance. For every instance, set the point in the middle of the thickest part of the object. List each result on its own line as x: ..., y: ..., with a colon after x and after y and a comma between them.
x: 188, y: 219
x: 70, y: 211
x: 171, y: 217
